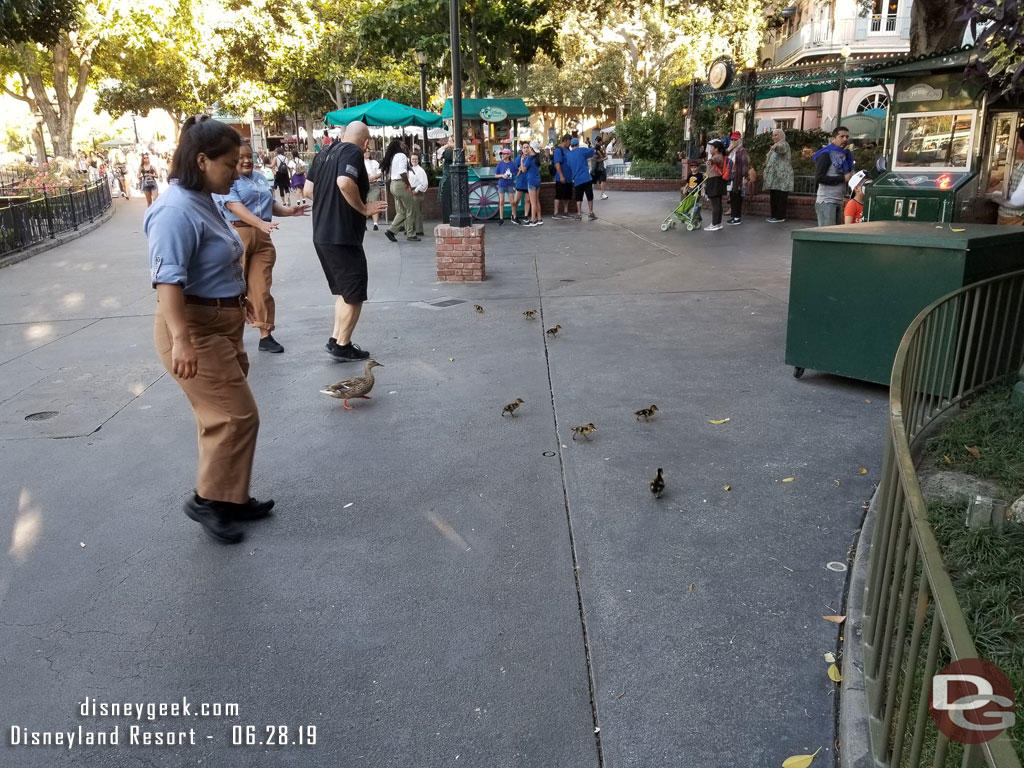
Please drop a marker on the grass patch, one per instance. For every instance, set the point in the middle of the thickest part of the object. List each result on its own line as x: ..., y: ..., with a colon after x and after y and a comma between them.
x: 987, y: 568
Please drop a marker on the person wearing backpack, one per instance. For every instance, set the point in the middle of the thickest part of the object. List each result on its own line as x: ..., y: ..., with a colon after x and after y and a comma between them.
x: 282, y: 175
x: 297, y: 167
x: 718, y: 175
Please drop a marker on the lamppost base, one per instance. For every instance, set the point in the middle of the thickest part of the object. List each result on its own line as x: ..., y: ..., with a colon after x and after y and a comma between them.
x: 459, y: 172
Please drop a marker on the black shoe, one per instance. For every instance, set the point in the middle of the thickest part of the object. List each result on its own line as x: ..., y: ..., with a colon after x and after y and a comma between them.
x: 501, y: 222
x: 348, y: 353
x: 251, y: 510
x: 269, y: 344
x: 211, y: 515
x: 375, y: 227
x: 413, y: 239
x: 331, y: 344
x: 390, y: 235
x: 515, y: 221
x: 734, y: 221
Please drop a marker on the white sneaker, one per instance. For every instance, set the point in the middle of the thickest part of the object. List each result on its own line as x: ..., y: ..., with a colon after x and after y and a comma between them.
x: 713, y: 228
x: 604, y: 197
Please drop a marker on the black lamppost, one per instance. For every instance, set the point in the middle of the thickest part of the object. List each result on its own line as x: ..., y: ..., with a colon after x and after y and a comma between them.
x: 347, y: 85
x: 460, y: 178
x: 845, y: 55
x: 42, y: 137
x: 421, y: 59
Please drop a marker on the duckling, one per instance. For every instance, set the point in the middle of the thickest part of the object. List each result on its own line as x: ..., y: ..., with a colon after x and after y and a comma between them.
x: 585, y: 430
x: 552, y: 332
x: 658, y: 484
x: 358, y: 386
x: 646, y: 413
x: 478, y: 308
x: 510, y: 409
x: 530, y: 314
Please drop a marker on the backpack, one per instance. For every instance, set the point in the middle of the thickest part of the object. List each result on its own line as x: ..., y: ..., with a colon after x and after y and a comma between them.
x: 727, y: 169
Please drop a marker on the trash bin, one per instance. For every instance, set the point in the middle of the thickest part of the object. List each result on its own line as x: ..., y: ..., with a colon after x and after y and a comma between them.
x: 855, y: 289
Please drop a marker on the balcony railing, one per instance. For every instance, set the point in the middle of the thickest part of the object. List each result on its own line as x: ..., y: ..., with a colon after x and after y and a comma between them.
x: 823, y: 37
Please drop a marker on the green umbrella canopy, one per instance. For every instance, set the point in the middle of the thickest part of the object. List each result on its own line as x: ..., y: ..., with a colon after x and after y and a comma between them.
x: 384, y: 112
x: 112, y: 143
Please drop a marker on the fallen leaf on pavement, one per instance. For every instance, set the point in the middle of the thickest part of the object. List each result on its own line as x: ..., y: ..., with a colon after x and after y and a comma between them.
x: 863, y: 471
x: 788, y: 479
x: 717, y: 421
x: 690, y: 590
x: 833, y: 674
x: 830, y: 657
x: 726, y: 487
x: 835, y: 619
x: 800, y: 761
x: 451, y: 359
x: 947, y: 459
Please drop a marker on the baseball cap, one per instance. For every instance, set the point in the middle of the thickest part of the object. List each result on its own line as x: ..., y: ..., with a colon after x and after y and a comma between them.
x: 535, y: 146
x: 857, y: 179
x: 735, y: 135
x: 574, y: 143
x: 506, y: 151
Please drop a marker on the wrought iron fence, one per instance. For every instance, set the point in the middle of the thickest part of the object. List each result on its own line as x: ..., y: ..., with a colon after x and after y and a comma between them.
x: 913, y: 623
x: 30, y: 216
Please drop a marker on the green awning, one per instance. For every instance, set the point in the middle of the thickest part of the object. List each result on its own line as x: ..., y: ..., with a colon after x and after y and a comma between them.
x: 516, y: 108
x: 383, y: 112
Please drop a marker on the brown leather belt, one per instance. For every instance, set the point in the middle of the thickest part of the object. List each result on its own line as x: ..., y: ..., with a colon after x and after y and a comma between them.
x: 232, y: 302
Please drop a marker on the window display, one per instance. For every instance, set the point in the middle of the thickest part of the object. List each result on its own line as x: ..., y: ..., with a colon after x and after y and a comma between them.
x: 935, y: 140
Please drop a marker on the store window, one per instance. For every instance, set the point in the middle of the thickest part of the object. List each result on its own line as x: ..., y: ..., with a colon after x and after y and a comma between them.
x: 873, y: 101
x: 939, y: 141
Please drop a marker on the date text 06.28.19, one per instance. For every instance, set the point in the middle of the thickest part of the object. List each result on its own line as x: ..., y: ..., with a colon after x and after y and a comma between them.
x: 273, y: 735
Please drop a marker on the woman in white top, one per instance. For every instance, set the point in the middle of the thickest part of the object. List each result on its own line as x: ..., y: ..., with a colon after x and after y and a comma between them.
x: 419, y: 181
x: 1011, y: 209
x: 396, y: 160
x: 376, y: 181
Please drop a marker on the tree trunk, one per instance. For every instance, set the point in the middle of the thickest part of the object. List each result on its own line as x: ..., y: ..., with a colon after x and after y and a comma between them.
x: 933, y: 26
x: 40, y: 145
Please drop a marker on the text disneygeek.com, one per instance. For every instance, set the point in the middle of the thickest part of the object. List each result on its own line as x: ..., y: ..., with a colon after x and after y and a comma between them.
x: 136, y: 734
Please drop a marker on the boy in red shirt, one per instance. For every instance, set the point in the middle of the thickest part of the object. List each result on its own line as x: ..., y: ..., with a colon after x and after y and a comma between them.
x: 854, y: 211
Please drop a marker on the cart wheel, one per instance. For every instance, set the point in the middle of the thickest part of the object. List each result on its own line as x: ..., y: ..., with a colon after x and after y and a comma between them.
x: 483, y: 200
x: 798, y: 372
x: 689, y: 226
x: 664, y: 226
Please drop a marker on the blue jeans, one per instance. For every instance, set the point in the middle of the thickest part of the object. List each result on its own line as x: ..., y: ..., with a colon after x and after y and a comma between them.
x: 828, y: 213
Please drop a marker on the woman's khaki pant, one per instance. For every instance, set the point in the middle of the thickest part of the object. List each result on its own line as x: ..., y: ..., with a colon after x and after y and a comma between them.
x: 404, y: 209
x: 226, y: 414
x: 258, y: 268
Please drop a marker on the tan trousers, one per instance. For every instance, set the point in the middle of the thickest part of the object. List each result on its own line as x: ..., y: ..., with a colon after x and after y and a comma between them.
x: 404, y: 209
x: 258, y: 266
x: 225, y: 411
x: 1014, y: 221
x: 417, y: 213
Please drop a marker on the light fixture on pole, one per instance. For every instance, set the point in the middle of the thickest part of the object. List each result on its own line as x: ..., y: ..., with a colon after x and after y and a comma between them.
x: 347, y: 85
x: 460, y: 175
x: 421, y: 59
x: 845, y: 54
x: 803, y: 108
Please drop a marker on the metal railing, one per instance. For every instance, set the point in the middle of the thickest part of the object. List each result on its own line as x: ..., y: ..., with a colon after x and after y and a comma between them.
x: 30, y: 216
x: 912, y: 619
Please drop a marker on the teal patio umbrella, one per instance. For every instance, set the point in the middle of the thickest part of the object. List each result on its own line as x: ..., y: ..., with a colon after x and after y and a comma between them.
x: 384, y: 113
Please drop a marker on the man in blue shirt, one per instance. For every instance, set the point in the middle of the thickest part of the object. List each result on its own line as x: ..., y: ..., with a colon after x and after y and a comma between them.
x: 582, y: 183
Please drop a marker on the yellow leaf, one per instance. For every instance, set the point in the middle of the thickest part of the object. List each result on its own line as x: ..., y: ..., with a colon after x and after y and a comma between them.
x: 691, y: 589
x: 726, y: 487
x: 947, y: 459
x: 863, y: 471
x: 800, y: 761
x: 788, y: 479
x: 451, y: 359
x: 952, y: 229
x: 835, y: 619
x: 830, y: 657
x: 834, y: 674
x: 717, y: 421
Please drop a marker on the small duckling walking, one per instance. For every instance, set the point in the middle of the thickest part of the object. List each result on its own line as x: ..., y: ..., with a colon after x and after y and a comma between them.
x: 585, y: 430
x: 552, y: 332
x: 530, y: 314
x: 658, y: 484
x: 478, y: 308
x: 510, y: 409
x: 357, y: 386
x: 646, y: 413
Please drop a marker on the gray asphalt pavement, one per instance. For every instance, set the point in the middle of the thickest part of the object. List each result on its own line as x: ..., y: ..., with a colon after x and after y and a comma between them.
x: 440, y: 586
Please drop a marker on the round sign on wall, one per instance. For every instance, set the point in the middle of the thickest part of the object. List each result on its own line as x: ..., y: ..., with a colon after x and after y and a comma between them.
x: 493, y: 114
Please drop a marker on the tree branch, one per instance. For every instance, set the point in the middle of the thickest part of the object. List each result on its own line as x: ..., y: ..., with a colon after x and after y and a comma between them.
x: 18, y: 96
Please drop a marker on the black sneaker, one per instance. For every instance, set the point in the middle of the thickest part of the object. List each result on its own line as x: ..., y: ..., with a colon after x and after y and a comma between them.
x: 349, y: 353
x: 331, y: 344
x: 501, y: 222
x: 734, y: 221
x: 375, y: 227
x: 251, y: 510
x: 269, y: 344
x: 211, y: 515
x: 413, y: 239
x: 514, y: 221
x: 390, y: 235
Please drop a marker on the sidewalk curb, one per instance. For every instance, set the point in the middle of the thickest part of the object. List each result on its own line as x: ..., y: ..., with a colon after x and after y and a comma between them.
x: 61, y: 239
x: 854, y: 731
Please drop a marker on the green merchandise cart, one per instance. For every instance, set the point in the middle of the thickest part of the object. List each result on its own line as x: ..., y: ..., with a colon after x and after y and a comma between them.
x: 855, y: 289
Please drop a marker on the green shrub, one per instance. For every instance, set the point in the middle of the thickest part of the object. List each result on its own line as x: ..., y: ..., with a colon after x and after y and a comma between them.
x: 645, y: 169
x: 645, y: 136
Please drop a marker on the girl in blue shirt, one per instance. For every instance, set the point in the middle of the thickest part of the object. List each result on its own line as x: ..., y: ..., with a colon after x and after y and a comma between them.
x: 195, y: 263
x: 522, y: 187
x: 506, y: 173
x: 530, y: 166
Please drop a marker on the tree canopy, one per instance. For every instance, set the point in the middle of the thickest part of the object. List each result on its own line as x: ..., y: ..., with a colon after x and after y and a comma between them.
x: 36, y: 21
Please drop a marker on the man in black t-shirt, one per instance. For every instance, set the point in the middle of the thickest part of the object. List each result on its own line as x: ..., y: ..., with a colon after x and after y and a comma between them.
x: 338, y: 185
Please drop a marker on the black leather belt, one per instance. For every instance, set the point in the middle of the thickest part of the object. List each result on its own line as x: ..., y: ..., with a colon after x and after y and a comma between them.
x: 232, y: 302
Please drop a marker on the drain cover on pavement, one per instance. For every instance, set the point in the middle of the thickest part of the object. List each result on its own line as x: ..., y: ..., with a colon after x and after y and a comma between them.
x: 442, y: 302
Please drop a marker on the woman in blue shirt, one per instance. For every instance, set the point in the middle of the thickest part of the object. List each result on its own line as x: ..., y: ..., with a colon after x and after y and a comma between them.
x: 531, y: 167
x: 522, y: 187
x: 250, y: 206
x: 195, y: 263
x: 506, y: 173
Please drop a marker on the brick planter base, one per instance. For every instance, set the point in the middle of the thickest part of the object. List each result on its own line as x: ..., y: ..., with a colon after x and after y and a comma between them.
x: 797, y: 207
x: 460, y: 253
